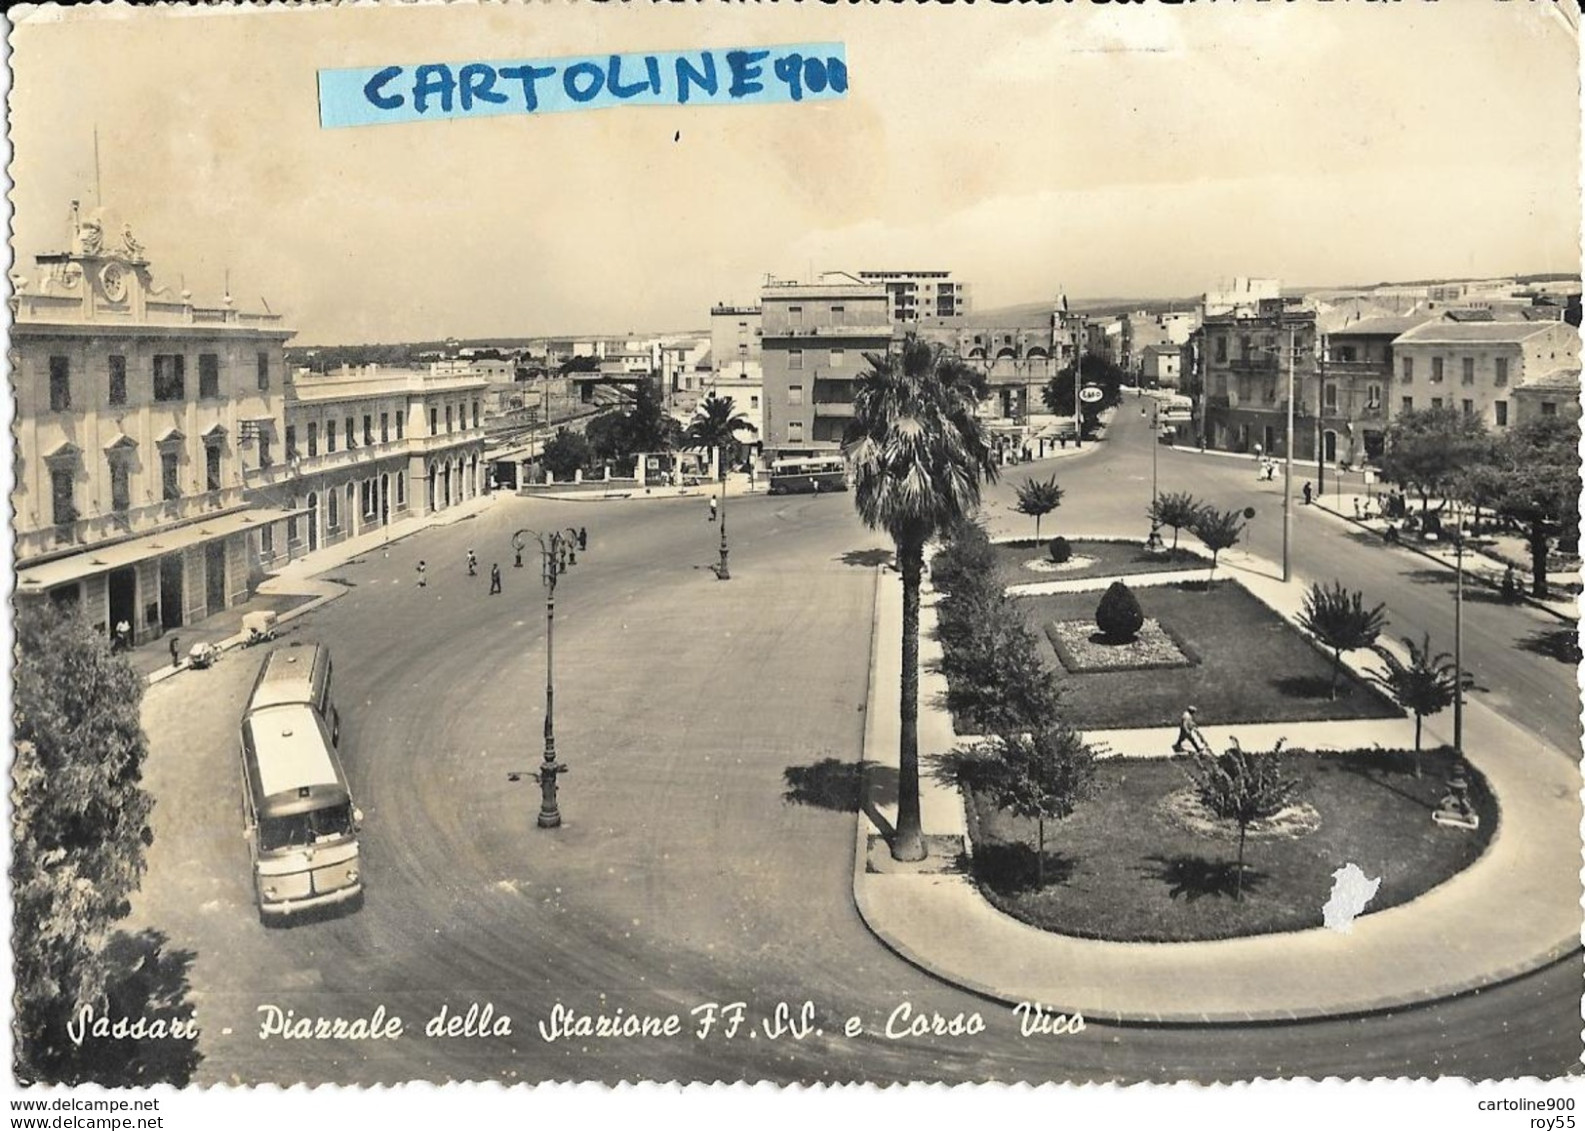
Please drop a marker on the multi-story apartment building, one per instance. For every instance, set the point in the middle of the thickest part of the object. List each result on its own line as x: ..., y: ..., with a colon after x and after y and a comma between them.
x: 1356, y: 373
x: 1245, y: 360
x: 815, y: 336
x: 912, y: 295
x: 141, y: 418
x: 1476, y: 366
x: 371, y: 446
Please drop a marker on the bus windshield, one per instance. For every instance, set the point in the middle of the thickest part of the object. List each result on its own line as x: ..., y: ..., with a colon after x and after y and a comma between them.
x: 301, y: 830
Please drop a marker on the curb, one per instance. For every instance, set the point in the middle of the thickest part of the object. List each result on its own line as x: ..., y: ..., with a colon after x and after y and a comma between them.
x: 320, y: 598
x: 951, y: 889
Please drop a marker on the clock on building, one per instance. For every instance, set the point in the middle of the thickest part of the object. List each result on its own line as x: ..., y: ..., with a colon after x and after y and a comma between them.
x: 113, y: 279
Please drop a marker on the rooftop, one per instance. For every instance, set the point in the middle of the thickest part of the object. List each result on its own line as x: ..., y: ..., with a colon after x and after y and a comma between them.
x: 1460, y: 332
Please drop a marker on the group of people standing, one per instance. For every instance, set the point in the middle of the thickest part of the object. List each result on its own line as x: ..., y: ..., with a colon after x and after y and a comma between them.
x: 473, y: 571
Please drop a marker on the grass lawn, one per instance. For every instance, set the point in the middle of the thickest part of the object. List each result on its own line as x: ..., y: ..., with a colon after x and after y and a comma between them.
x: 1253, y: 666
x: 1112, y: 559
x: 1120, y: 868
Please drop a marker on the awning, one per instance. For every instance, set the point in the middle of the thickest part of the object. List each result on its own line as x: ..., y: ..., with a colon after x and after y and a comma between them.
x: 102, y: 559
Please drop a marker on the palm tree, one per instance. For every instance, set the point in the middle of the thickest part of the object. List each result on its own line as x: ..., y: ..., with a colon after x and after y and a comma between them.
x: 1423, y: 686
x: 1038, y: 499
x: 917, y: 455
x: 716, y: 424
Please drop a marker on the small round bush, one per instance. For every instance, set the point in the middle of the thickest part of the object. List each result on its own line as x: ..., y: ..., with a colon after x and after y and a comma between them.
x: 1060, y: 550
x: 1119, y: 616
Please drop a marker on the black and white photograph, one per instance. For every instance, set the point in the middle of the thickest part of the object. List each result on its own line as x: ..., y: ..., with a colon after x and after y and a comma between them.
x: 794, y: 545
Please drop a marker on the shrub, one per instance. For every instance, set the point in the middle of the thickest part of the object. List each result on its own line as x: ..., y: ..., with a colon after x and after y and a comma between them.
x: 1119, y: 616
x: 966, y: 558
x: 1060, y: 550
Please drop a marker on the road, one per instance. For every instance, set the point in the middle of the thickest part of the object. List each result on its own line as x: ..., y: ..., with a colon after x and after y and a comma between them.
x: 683, y: 874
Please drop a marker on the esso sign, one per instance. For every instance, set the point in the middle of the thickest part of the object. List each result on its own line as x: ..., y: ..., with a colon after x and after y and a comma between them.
x: 1091, y: 393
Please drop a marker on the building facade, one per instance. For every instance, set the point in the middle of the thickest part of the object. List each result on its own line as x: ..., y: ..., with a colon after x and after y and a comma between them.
x: 815, y: 336
x: 372, y: 446
x: 1476, y: 366
x: 913, y: 295
x: 1246, y: 364
x: 141, y: 419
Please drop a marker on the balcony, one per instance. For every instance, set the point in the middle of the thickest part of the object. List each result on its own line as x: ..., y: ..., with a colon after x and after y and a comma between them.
x: 863, y: 330
x: 834, y: 408
x: 114, y: 526
x: 1254, y: 366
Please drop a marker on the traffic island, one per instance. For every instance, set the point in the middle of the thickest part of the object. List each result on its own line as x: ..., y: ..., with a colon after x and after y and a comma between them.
x: 1513, y: 911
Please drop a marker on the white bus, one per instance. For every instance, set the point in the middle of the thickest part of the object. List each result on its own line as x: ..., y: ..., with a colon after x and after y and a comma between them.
x: 808, y: 474
x: 298, y: 816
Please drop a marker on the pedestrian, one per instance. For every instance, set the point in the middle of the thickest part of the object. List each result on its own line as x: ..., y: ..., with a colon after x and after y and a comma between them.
x: 712, y: 508
x: 473, y: 565
x: 123, y: 635
x: 495, y: 578
x: 1309, y: 492
x: 176, y: 652
x: 518, y: 564
x: 1257, y: 454
x: 1189, y: 736
x: 421, y: 581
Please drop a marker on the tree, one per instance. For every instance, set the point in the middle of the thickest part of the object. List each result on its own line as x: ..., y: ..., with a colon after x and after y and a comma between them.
x: 640, y: 424
x: 1042, y: 777
x: 1244, y: 788
x: 1038, y: 499
x: 80, y: 825
x: 1425, y: 449
x: 1339, y: 620
x: 1539, y: 487
x: 1058, y: 393
x: 918, y: 456
x: 1178, y: 510
x: 1424, y: 686
x: 566, y: 453
x: 1219, y: 530
x: 716, y: 424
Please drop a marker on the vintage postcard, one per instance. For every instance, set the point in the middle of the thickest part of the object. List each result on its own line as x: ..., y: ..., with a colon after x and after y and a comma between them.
x: 794, y: 545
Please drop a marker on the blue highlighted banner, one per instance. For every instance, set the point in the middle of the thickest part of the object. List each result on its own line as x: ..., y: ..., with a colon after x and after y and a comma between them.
x: 735, y: 76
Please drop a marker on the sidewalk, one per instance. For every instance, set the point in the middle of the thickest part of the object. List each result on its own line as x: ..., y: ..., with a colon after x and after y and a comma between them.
x: 1515, y: 910
x: 291, y: 591
x: 1478, y: 567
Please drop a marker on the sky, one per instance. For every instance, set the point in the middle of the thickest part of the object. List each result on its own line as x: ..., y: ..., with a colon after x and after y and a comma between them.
x: 1098, y: 149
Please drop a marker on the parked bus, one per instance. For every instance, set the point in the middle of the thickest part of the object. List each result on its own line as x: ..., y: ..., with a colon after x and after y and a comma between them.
x: 298, y: 815
x: 808, y: 473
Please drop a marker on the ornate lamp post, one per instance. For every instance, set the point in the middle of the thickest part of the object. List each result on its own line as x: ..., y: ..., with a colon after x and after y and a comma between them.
x: 1153, y: 543
x: 1455, y: 808
x: 557, y: 551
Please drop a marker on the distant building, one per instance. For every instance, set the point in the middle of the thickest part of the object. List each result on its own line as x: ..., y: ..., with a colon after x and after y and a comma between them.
x: 914, y: 295
x: 1477, y: 367
x: 1555, y: 393
x: 1356, y: 371
x: 1240, y: 295
x: 141, y: 420
x: 815, y: 336
x: 1160, y: 364
x: 1245, y: 359
x: 371, y: 446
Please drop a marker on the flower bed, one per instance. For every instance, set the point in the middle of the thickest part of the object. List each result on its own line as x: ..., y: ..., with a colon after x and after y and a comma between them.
x: 1080, y: 648
x: 1103, y: 558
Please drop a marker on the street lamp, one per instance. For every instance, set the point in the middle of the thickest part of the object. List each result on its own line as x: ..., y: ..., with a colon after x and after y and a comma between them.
x: 1455, y: 808
x: 1287, y: 474
x: 1153, y: 543
x: 557, y: 551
